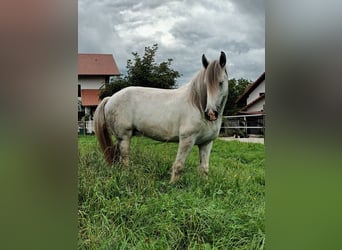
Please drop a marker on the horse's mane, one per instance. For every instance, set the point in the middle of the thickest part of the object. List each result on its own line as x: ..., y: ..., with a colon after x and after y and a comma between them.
x: 198, y: 91
x: 198, y: 88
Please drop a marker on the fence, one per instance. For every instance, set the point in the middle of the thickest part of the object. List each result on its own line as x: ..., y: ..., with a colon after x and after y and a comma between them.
x: 243, y: 126
x: 85, y: 127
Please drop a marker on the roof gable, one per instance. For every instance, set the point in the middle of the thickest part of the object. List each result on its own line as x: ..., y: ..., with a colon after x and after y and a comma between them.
x: 262, y: 97
x: 250, y: 88
x: 97, y: 64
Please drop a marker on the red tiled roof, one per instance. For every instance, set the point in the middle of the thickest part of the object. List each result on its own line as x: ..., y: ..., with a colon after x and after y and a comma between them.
x: 90, y: 97
x: 97, y: 64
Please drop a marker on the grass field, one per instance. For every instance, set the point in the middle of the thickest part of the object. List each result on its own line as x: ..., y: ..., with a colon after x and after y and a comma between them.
x: 137, y: 208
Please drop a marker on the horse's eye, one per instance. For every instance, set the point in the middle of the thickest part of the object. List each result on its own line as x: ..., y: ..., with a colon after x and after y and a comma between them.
x: 221, y: 83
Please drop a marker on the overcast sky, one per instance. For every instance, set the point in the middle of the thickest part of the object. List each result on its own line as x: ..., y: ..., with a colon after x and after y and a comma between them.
x: 184, y: 30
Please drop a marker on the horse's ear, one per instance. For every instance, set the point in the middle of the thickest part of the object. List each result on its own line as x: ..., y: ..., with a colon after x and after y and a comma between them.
x: 204, y: 61
x: 223, y: 59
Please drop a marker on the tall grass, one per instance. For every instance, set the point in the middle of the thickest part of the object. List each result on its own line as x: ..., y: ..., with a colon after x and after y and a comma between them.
x: 137, y: 208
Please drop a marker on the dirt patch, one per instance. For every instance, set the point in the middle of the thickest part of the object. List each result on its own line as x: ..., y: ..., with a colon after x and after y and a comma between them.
x: 251, y: 139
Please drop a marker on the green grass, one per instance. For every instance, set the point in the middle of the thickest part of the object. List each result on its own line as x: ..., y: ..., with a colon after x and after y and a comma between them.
x: 137, y: 208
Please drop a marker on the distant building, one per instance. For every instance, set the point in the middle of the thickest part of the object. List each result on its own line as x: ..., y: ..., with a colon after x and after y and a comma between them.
x: 253, y: 102
x: 253, y: 98
x: 93, y: 71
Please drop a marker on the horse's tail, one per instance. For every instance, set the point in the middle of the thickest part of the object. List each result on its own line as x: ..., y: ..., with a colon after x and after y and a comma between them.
x: 102, y: 133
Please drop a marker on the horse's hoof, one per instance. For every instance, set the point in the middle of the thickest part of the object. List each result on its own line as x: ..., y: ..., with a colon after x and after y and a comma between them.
x: 174, y: 179
x: 204, y: 175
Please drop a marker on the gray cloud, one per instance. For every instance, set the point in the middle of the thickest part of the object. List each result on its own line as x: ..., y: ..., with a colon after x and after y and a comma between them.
x: 184, y: 30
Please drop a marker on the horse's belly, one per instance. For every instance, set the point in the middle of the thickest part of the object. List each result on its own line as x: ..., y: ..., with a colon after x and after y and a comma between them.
x: 163, y: 138
x: 160, y: 137
x: 158, y: 131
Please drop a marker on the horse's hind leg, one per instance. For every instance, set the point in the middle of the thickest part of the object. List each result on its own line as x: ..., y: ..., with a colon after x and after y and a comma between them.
x: 124, y: 148
x: 184, y: 148
x: 204, y: 151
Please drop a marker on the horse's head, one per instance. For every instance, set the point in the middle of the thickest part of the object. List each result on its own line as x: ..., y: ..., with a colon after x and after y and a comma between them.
x: 216, y: 80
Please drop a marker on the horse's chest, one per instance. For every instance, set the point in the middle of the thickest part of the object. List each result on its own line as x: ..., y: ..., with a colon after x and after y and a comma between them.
x: 208, y: 132
x: 213, y: 130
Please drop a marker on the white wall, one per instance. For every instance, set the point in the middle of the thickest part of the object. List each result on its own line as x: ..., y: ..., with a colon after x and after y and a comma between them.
x: 256, y: 92
x: 93, y: 82
x: 257, y: 106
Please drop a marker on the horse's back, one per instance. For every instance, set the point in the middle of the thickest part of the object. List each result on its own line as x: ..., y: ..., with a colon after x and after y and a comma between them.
x: 156, y: 113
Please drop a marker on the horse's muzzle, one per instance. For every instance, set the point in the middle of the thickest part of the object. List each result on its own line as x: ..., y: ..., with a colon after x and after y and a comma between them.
x: 211, y: 115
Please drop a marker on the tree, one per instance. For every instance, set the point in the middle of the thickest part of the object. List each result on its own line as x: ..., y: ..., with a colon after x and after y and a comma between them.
x: 145, y: 72
x: 236, y: 89
x: 109, y: 89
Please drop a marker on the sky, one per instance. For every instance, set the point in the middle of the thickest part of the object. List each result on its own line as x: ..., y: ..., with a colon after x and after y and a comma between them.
x: 183, y: 30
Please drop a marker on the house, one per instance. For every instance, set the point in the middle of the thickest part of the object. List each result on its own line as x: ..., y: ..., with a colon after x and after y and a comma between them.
x: 253, y: 98
x: 253, y: 105
x: 93, y: 71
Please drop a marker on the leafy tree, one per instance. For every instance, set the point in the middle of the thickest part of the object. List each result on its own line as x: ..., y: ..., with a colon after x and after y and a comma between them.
x: 236, y: 89
x: 144, y: 71
x: 147, y: 73
x: 109, y: 89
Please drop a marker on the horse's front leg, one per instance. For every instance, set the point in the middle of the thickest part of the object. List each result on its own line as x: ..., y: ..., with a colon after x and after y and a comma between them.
x: 184, y: 148
x: 204, y: 151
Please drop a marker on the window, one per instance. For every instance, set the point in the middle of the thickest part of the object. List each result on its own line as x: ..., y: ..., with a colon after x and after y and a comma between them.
x: 106, y: 79
x: 79, y: 90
